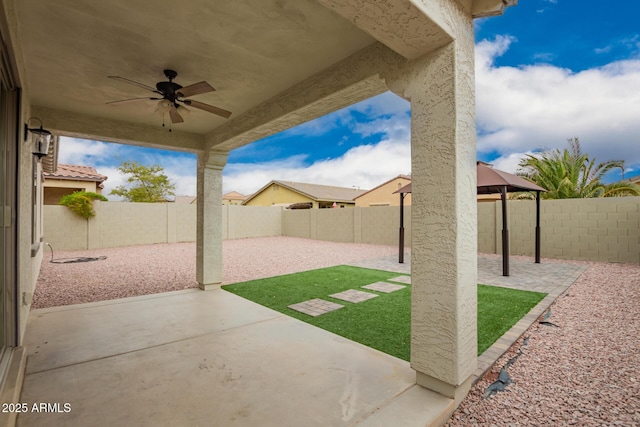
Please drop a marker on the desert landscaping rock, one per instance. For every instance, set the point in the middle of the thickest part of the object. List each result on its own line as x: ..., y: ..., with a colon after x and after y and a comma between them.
x: 142, y: 270
x: 583, y: 372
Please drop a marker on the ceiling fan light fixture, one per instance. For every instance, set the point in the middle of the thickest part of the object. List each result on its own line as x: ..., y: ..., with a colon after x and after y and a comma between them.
x: 164, y: 105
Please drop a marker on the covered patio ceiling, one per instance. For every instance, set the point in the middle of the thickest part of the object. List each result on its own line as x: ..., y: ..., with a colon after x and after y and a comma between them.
x: 274, y: 63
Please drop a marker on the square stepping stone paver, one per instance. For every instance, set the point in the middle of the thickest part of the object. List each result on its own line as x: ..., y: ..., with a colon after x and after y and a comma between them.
x: 354, y: 296
x: 384, y: 287
x: 315, y: 307
x: 402, y: 279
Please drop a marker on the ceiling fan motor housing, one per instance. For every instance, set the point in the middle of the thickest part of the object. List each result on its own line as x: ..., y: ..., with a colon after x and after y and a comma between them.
x: 169, y: 90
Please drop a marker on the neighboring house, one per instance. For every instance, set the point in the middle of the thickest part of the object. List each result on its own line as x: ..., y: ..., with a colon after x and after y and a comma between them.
x: 285, y: 193
x: 68, y: 179
x: 382, y: 195
x: 184, y: 200
x: 233, y: 198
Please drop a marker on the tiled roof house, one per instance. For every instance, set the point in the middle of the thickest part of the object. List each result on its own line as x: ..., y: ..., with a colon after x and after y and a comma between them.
x: 233, y: 198
x: 68, y: 179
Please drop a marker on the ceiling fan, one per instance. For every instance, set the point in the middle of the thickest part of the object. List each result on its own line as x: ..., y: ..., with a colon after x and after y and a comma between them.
x: 171, y: 97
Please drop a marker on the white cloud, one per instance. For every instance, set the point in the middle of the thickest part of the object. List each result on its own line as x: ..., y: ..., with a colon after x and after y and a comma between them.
x: 541, y: 106
x: 364, y: 166
x: 78, y: 151
x: 509, y: 163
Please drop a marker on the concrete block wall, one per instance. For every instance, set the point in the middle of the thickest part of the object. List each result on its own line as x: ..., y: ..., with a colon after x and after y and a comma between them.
x: 128, y: 224
x: 373, y: 225
x: 487, y: 227
x: 63, y: 229
x: 297, y: 223
x: 252, y: 221
x: 581, y: 229
x: 185, y: 223
x: 335, y: 225
x: 603, y: 229
x: 380, y: 225
x: 592, y: 229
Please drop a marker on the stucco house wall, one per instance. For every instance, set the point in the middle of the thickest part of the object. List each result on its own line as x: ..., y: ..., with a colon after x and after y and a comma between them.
x: 28, y: 223
x: 276, y: 194
x: 383, y: 194
x: 54, y: 189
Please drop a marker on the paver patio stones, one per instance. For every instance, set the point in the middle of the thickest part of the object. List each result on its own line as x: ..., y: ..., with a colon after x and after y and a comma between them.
x: 384, y: 287
x: 353, y: 296
x: 315, y: 307
x: 402, y: 279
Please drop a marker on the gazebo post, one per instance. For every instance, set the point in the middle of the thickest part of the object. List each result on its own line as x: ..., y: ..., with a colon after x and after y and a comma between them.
x: 537, y: 227
x: 505, y: 233
x: 401, y: 240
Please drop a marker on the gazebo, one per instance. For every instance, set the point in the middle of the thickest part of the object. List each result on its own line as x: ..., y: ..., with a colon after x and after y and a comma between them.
x: 490, y: 181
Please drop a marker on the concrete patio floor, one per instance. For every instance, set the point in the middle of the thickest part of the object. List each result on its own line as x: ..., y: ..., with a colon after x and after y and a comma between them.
x: 214, y: 359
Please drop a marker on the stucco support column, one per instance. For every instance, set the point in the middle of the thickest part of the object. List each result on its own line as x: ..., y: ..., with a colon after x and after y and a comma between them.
x: 209, y: 227
x: 440, y: 87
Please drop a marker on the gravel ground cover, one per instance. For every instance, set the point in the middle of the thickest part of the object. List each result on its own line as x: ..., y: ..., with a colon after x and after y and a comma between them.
x: 582, y: 372
x: 142, y: 270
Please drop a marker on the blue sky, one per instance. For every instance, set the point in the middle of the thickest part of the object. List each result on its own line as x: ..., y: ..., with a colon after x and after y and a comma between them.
x: 546, y: 71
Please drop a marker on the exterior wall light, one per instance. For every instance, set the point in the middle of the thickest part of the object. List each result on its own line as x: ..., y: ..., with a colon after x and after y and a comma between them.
x: 39, y: 139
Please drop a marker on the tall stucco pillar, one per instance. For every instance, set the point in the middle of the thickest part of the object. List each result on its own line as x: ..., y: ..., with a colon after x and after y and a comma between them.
x: 440, y: 87
x: 209, y: 227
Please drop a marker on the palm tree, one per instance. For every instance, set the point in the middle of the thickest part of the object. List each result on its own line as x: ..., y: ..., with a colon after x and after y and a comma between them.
x: 570, y: 174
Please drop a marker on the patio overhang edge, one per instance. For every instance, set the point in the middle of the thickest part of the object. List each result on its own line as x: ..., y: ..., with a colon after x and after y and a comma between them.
x: 349, y: 81
x: 77, y: 125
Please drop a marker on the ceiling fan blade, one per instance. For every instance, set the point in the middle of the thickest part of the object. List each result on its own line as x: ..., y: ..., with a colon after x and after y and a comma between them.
x: 209, y: 108
x: 175, y: 116
x: 195, y: 89
x: 142, y: 85
x: 132, y: 99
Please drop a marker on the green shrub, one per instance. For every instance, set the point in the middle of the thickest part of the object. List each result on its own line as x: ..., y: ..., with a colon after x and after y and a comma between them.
x: 81, y: 202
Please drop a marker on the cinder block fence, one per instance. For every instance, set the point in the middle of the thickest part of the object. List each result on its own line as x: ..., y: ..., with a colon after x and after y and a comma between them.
x: 581, y: 229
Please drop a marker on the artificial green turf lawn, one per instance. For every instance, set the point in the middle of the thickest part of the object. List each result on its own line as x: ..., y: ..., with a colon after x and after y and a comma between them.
x: 383, y: 323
